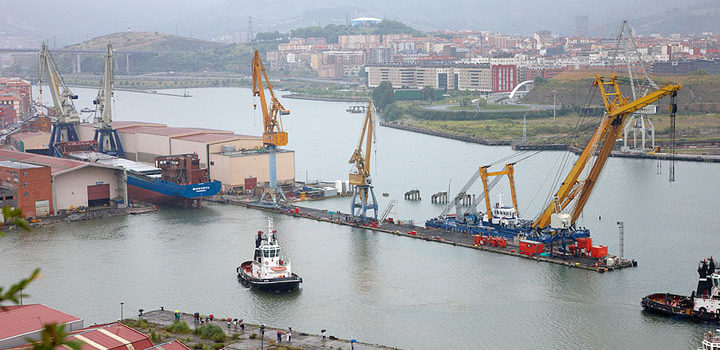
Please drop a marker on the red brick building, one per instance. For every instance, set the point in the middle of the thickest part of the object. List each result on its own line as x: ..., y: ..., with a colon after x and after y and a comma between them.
x: 504, y: 77
x: 26, y: 186
x: 7, y: 115
x: 22, y: 89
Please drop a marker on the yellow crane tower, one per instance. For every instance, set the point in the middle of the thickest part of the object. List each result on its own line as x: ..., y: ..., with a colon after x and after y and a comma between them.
x: 363, y: 198
x: 576, y: 190
x: 273, y: 134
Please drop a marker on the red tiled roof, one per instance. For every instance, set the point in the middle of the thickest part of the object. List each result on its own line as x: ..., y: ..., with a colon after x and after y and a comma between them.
x: 57, y: 165
x: 111, y: 336
x: 209, y: 138
x: 172, y: 345
x: 18, y: 320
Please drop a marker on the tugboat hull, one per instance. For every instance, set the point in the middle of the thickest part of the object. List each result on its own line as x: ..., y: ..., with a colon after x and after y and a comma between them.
x: 667, y: 304
x: 270, y: 285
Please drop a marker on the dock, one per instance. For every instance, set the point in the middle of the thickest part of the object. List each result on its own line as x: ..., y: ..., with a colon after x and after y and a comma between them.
x: 409, y: 230
x: 248, y: 337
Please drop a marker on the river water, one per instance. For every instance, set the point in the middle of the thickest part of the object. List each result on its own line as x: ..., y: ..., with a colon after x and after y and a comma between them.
x: 376, y: 287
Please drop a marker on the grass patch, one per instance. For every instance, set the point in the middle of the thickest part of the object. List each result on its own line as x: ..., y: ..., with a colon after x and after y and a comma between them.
x: 179, y: 327
x: 212, y: 332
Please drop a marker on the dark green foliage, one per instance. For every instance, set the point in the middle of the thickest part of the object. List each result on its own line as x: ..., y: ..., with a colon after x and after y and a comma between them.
x: 53, y: 336
x: 178, y: 327
x: 154, y: 337
x: 253, y: 336
x: 383, y: 95
x: 210, y: 331
x: 264, y: 36
x: 331, y: 31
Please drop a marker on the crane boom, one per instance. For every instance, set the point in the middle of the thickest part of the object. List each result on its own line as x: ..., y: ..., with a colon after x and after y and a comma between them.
x: 103, y: 101
x: 363, y: 194
x: 62, y: 96
x: 361, y: 175
x: 273, y: 133
x: 617, y: 108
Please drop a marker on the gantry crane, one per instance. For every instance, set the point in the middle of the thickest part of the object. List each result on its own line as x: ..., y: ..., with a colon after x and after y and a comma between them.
x: 363, y: 198
x: 106, y: 137
x: 63, y: 128
x: 577, y: 191
x: 273, y: 134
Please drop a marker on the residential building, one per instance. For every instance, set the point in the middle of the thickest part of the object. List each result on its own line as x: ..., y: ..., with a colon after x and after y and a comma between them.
x: 26, y: 186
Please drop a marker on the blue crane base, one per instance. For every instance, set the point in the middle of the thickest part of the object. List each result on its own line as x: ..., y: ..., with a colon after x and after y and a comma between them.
x: 61, y: 132
x: 109, y: 142
x: 361, y: 203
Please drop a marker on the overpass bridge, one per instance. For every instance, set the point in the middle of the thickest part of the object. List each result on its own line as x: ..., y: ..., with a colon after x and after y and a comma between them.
x: 77, y: 66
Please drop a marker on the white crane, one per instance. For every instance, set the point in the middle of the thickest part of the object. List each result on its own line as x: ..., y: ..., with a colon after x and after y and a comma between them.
x: 63, y: 129
x: 106, y: 137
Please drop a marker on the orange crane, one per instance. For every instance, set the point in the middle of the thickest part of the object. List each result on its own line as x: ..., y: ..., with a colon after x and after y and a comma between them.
x: 577, y: 191
x: 363, y: 198
x: 273, y: 134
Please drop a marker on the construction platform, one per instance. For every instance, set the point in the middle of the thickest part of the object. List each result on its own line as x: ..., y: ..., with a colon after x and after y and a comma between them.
x: 404, y: 229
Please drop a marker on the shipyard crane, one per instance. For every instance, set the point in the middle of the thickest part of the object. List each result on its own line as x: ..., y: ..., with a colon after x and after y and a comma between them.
x: 577, y: 191
x: 483, y: 174
x: 63, y: 128
x: 273, y: 134
x: 363, y: 198
x: 106, y: 137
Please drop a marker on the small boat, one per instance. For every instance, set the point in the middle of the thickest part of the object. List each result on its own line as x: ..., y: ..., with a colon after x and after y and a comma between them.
x: 703, y: 304
x: 87, y: 110
x: 711, y: 341
x: 269, y: 271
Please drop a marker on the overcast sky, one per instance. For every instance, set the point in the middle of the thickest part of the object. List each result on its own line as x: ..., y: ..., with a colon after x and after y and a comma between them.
x: 73, y: 21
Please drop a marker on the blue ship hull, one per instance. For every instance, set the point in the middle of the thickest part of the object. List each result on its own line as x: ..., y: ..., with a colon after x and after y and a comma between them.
x: 146, y: 188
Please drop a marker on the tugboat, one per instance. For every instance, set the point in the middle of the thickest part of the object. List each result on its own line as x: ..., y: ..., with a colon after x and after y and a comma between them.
x: 711, y: 341
x: 703, y: 305
x: 269, y: 271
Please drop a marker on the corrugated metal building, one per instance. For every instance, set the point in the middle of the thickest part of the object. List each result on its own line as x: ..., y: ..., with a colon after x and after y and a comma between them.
x: 76, y: 183
x: 20, y: 322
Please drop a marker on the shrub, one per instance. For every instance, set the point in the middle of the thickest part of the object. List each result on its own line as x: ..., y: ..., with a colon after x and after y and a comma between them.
x: 210, y: 331
x: 154, y: 337
x: 253, y: 336
x: 178, y: 327
x: 218, y: 346
x: 235, y: 336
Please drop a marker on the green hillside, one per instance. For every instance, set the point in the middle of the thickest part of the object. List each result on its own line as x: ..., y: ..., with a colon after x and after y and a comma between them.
x: 145, y: 41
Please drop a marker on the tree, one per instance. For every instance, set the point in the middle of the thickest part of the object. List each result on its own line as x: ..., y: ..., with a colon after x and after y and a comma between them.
x: 465, y: 102
x: 482, y: 103
x: 429, y: 93
x: 383, y: 95
x: 52, y: 337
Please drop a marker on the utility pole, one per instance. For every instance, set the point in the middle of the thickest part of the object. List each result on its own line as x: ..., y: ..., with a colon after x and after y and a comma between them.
x: 621, y: 236
x: 250, y: 33
x: 554, y: 108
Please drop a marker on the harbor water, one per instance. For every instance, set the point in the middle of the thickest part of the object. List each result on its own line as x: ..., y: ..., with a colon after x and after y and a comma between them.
x: 376, y: 287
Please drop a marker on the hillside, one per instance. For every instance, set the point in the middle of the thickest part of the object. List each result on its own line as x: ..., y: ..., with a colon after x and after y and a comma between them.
x: 699, y: 94
x: 145, y: 41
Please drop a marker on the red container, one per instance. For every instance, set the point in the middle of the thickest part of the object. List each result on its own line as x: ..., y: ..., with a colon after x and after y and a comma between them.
x: 476, y: 240
x: 598, y: 252
x: 502, y: 242
x: 584, y: 243
x: 530, y: 247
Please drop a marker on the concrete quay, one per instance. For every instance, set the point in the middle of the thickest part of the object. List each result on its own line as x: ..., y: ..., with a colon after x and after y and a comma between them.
x: 300, y: 339
x: 409, y: 230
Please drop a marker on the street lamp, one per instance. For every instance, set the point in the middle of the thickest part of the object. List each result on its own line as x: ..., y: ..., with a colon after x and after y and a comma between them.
x: 121, y: 310
x: 262, y: 336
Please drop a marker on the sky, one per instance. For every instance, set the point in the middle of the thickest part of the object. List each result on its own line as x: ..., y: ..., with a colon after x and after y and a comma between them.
x: 77, y: 20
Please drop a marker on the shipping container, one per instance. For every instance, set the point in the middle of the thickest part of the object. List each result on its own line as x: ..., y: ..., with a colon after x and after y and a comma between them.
x: 598, y: 252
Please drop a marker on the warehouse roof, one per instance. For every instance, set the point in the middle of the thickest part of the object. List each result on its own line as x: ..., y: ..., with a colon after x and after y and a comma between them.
x: 57, y: 165
x: 111, y: 336
x: 19, y: 320
x: 171, y: 131
x: 18, y: 165
x: 212, y: 138
x: 120, y: 124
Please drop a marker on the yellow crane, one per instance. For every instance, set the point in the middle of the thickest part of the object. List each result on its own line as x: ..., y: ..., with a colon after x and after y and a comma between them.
x: 576, y: 190
x: 363, y: 198
x: 273, y: 133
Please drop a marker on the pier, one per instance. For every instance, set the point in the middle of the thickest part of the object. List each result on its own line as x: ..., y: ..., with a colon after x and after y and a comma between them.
x: 249, y: 336
x: 410, y: 230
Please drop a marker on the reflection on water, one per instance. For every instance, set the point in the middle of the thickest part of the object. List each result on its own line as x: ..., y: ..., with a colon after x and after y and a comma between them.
x: 377, y: 287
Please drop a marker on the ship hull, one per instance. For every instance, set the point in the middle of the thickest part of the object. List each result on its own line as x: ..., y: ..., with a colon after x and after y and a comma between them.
x: 161, y: 192
x: 271, y: 285
x: 656, y: 303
